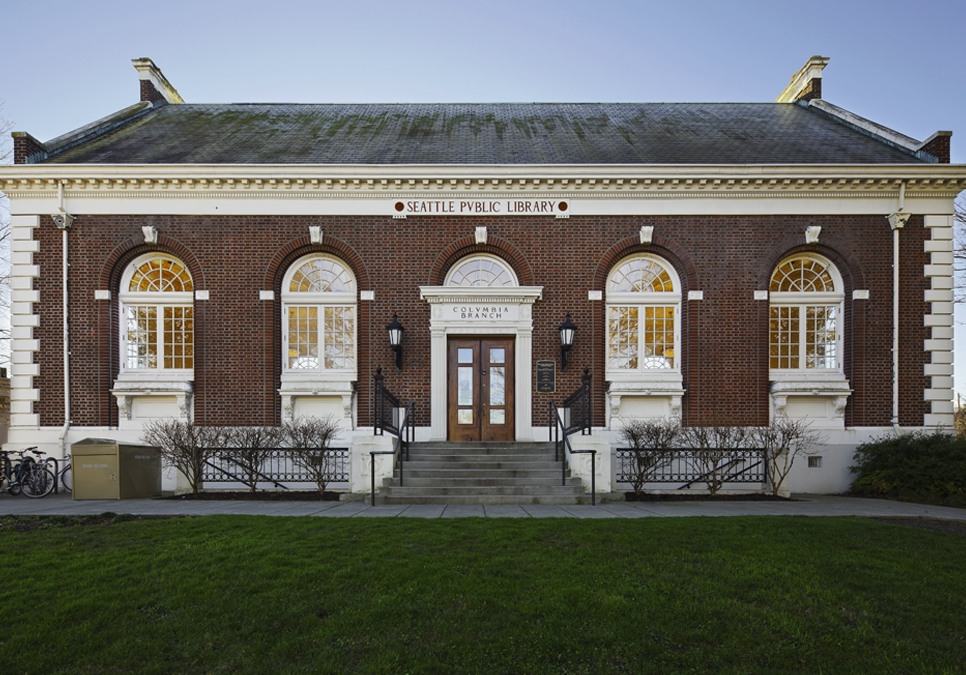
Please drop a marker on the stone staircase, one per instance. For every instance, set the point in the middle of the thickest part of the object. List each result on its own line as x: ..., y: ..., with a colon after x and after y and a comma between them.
x: 482, y: 473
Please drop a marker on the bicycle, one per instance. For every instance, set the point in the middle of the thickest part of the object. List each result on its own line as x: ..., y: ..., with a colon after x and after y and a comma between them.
x: 63, y: 476
x: 27, y: 476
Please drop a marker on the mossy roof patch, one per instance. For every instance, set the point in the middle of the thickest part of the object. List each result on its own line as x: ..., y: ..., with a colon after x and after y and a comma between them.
x: 522, y: 133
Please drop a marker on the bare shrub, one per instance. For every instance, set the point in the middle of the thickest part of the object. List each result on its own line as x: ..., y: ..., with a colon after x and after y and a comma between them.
x: 651, y: 446
x: 249, y: 448
x: 785, y: 440
x: 184, y: 446
x: 713, y: 451
x: 308, y: 439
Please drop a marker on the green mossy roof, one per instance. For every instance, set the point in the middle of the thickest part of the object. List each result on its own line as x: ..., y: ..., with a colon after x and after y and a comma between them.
x: 549, y: 133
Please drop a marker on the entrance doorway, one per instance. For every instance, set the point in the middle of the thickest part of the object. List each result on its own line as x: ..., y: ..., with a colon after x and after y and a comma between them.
x: 480, y: 389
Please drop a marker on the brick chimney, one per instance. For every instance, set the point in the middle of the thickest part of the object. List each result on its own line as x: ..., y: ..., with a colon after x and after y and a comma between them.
x: 806, y: 84
x: 25, y: 145
x: 937, y: 145
x: 154, y: 85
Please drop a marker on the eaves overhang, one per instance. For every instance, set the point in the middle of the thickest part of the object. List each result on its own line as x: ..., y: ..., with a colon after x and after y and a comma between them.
x: 618, y: 181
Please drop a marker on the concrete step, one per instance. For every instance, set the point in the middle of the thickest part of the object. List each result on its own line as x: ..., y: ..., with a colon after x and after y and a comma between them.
x: 482, y: 473
x: 481, y: 481
x: 443, y: 500
x: 464, y: 463
x: 552, y: 473
x: 395, y: 491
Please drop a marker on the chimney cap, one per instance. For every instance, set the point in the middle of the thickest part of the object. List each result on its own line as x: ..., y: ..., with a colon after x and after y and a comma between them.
x: 147, y: 70
x: 801, y: 81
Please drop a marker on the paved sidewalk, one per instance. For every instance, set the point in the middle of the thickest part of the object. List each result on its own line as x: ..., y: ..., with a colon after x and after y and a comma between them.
x: 802, y: 505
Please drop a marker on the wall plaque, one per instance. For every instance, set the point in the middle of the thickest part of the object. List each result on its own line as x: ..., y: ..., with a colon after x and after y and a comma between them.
x: 546, y: 377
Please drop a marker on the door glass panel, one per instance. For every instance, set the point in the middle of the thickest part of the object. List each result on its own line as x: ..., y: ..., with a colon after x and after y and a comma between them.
x: 497, y: 416
x: 465, y: 377
x: 464, y: 416
x: 498, y: 385
x: 497, y: 356
x: 464, y: 356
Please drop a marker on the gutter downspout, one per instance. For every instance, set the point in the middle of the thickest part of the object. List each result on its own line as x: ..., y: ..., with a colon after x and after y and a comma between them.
x: 63, y: 221
x: 897, y: 221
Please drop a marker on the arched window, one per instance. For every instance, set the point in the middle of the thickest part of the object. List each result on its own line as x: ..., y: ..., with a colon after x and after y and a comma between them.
x: 157, y: 315
x: 481, y: 271
x: 319, y: 317
x: 643, y: 303
x: 805, y: 326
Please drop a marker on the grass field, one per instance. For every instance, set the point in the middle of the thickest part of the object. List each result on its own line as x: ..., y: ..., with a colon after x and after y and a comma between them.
x: 238, y: 594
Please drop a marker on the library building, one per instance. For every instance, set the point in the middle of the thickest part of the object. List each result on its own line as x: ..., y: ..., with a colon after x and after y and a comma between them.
x: 483, y: 278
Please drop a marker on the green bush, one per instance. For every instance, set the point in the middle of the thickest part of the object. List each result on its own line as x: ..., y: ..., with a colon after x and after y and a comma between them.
x: 918, y: 467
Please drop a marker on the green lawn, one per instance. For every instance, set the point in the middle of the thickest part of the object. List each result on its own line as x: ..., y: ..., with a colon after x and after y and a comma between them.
x: 238, y: 594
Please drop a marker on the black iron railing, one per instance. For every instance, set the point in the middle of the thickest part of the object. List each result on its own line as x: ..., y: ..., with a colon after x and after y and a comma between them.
x: 574, y: 416
x: 389, y: 415
x: 231, y: 465
x: 689, y: 466
x: 385, y: 411
x: 577, y: 409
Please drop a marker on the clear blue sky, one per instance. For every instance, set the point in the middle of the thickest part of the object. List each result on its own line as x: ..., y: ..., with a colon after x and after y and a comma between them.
x: 65, y: 63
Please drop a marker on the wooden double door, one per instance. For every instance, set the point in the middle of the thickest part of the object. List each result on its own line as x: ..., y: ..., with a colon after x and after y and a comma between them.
x: 480, y: 385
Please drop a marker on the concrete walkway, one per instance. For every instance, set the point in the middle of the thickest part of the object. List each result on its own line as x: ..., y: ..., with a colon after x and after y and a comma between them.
x: 802, y: 505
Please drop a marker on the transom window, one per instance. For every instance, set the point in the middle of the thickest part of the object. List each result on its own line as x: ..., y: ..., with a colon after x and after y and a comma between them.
x: 481, y: 271
x: 319, y: 305
x: 643, y: 300
x: 157, y: 310
x: 805, y: 315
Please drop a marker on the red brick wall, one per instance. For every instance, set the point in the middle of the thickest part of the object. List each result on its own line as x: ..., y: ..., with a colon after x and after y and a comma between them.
x: 725, y: 336
x: 149, y: 92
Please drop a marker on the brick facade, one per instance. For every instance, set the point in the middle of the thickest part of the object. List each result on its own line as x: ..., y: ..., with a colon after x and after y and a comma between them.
x: 724, y: 358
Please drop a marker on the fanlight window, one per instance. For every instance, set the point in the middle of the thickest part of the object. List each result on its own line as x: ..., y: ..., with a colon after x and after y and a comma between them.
x: 640, y: 275
x: 157, y: 310
x: 481, y: 272
x: 321, y: 275
x: 805, y: 316
x: 805, y: 275
x: 320, y: 317
x: 642, y: 310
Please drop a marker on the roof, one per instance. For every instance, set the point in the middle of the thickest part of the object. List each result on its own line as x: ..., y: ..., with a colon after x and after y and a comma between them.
x: 481, y: 134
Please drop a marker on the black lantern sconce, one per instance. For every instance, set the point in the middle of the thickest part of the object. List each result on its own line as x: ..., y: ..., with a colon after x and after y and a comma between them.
x: 395, y: 339
x: 567, y: 330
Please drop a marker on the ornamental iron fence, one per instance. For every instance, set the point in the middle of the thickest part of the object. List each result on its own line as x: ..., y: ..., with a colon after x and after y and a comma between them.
x: 277, y: 466
x: 689, y: 466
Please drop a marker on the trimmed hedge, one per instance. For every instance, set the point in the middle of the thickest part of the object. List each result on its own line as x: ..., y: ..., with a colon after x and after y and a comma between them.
x: 928, y: 468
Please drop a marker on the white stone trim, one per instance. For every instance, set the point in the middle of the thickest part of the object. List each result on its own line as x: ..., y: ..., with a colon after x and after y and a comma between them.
x: 23, y: 320
x: 518, y: 323
x: 939, y: 270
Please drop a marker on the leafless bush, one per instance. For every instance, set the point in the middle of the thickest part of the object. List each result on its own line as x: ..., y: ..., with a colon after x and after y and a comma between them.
x: 713, y: 451
x: 184, y: 446
x: 784, y: 440
x: 651, y: 445
x: 250, y: 447
x: 308, y: 439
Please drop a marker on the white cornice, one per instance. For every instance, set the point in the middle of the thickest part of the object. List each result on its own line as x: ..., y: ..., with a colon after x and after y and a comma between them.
x: 635, y: 181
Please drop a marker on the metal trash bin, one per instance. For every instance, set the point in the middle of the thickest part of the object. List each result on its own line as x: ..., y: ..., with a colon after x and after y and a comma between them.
x: 105, y: 469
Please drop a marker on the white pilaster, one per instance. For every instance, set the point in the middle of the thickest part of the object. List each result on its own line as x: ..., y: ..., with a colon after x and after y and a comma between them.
x: 939, y: 270
x: 23, y: 321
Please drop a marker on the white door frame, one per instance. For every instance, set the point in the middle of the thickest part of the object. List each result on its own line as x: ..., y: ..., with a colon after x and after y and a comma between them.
x: 503, y: 310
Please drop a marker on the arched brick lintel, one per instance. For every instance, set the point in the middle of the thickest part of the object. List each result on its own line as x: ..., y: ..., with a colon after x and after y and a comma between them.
x: 467, y: 246
x: 660, y: 246
x: 117, y: 260
x: 298, y: 248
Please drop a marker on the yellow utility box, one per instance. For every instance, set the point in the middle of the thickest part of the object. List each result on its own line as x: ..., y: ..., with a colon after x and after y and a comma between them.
x: 105, y: 469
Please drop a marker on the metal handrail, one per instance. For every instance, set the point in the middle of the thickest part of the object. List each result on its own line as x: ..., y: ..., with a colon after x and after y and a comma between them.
x: 565, y: 446
x: 404, y: 438
x: 385, y: 406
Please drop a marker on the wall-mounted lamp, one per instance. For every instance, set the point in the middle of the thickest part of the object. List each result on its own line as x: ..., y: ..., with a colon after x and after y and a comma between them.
x: 395, y: 339
x: 567, y: 330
